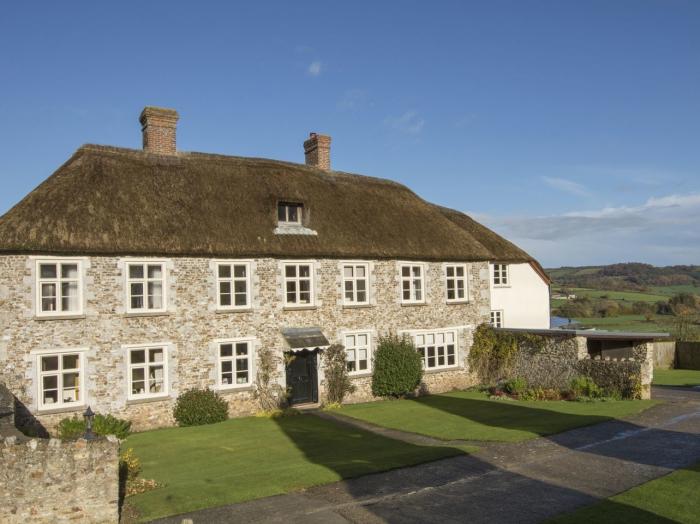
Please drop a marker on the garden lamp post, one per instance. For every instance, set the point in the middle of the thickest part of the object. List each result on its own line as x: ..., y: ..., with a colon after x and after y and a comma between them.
x: 89, y: 417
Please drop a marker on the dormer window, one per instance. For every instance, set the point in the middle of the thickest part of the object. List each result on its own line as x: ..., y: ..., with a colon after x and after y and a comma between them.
x: 289, y: 213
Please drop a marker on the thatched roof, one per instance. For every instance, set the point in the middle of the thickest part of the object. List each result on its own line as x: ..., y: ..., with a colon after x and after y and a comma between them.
x: 106, y: 200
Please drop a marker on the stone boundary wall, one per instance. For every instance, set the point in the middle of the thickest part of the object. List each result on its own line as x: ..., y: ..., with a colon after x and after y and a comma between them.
x: 665, y: 355
x: 562, y: 358
x: 53, y: 481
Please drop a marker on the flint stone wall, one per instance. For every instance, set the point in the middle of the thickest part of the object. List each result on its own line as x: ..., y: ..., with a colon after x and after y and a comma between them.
x: 49, y: 481
x: 192, y: 324
x: 561, y: 358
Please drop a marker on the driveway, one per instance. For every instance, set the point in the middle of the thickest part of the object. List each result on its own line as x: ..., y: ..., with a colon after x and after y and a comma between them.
x: 526, y: 482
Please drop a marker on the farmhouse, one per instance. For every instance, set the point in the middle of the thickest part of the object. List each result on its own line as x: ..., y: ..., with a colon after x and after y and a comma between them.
x: 129, y: 276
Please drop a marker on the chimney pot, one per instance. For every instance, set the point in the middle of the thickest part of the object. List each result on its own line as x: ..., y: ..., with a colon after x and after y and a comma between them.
x: 317, y: 151
x: 159, y: 125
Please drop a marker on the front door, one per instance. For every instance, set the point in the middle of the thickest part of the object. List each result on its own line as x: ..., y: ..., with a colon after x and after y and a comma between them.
x: 302, y: 377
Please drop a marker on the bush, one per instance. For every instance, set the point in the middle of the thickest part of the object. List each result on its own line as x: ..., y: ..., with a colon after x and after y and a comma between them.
x: 197, y: 407
x: 338, y: 382
x: 398, y: 368
x: 515, y: 386
x: 585, y: 387
x: 129, y: 465
x: 103, y: 425
x: 539, y: 393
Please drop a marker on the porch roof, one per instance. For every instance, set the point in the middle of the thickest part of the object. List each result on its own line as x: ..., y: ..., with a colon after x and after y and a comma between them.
x: 299, y: 339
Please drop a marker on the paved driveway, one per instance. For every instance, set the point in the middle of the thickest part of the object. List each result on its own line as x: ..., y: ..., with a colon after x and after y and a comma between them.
x: 522, y: 482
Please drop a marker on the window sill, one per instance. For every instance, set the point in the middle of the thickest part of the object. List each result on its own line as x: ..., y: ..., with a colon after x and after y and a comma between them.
x: 363, y: 374
x: 299, y: 308
x: 64, y: 409
x: 501, y: 286
x: 413, y: 304
x: 234, y: 389
x: 357, y: 306
x: 234, y: 310
x: 80, y: 316
x: 146, y: 400
x: 135, y: 314
x: 456, y: 302
x: 441, y: 370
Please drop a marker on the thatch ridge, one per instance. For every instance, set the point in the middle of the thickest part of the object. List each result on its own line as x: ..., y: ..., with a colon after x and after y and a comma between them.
x: 116, y: 201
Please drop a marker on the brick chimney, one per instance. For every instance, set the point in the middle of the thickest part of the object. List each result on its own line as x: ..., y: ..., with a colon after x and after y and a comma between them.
x: 158, y: 125
x: 317, y: 150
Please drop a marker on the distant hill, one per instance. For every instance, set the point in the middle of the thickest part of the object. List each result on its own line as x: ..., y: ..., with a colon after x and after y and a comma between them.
x: 631, y: 276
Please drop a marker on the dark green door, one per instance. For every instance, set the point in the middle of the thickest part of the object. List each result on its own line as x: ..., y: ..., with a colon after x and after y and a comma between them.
x: 302, y: 377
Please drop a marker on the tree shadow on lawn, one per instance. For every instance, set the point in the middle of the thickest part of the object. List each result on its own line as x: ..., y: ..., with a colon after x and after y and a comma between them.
x: 595, y: 434
x: 468, y: 488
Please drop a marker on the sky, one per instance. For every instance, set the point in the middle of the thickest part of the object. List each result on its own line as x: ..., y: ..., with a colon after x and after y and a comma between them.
x: 572, y: 128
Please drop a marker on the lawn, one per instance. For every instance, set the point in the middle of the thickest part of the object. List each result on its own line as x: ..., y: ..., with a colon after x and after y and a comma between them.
x: 673, y: 498
x: 626, y: 296
x: 676, y: 377
x: 471, y: 415
x: 247, y: 458
x: 658, y: 324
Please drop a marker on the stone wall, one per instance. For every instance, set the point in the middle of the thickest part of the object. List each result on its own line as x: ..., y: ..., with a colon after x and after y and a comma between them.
x: 192, y: 324
x: 664, y: 354
x: 561, y: 358
x: 50, y: 481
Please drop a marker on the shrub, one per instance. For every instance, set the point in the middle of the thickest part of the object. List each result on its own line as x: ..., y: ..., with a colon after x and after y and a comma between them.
x: 129, y: 465
x: 269, y: 394
x: 585, y: 387
x: 197, y: 407
x: 103, y: 425
x: 338, y: 382
x: 398, y: 368
x: 539, y: 393
x: 515, y: 386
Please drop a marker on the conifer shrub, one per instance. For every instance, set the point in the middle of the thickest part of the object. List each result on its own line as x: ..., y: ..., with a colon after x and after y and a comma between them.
x: 398, y: 368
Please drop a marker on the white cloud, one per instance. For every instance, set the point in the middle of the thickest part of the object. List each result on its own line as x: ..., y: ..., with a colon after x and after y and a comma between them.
x: 662, y: 230
x: 568, y: 186
x: 409, y: 123
x: 314, y: 68
x: 352, y: 100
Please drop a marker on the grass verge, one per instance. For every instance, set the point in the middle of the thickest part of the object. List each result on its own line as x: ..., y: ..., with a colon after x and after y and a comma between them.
x: 673, y: 498
x: 471, y: 415
x: 676, y: 377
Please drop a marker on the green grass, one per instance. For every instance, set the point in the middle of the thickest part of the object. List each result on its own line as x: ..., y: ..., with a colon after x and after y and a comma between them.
x: 471, y: 415
x: 676, y: 377
x: 248, y: 458
x: 623, y: 296
x: 669, y: 291
x: 658, y: 324
x: 673, y: 498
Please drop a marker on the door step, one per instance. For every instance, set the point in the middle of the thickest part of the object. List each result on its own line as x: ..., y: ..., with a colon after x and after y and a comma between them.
x: 307, y: 406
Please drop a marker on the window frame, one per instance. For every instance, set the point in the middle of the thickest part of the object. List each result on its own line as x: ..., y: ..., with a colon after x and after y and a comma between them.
x: 165, y: 346
x: 496, y: 313
x: 503, y: 272
x: 425, y: 332
x: 60, y: 353
x: 464, y: 278
x: 312, y: 284
x: 144, y: 280
x: 251, y: 341
x: 369, y: 347
x: 354, y: 279
x: 248, y: 280
x: 38, y: 281
x: 411, y: 279
x: 286, y: 204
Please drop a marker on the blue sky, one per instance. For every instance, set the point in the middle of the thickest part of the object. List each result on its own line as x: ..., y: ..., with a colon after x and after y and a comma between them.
x: 573, y: 128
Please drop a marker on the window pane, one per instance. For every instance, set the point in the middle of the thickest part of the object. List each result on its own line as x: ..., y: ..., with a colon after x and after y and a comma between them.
x: 350, y: 341
x: 242, y: 364
x: 138, y: 356
x: 361, y: 340
x: 291, y: 298
x: 69, y: 296
x: 224, y: 271
x: 71, y: 384
x: 49, y: 363
x: 416, y: 271
x: 155, y: 271
x: 304, y: 297
x: 290, y: 271
x: 347, y: 271
x: 350, y: 355
x: 240, y: 299
x: 135, y: 271
x: 239, y: 271
x: 155, y: 295
x: 240, y: 286
x: 281, y: 212
x: 242, y: 349
x: 50, y: 382
x: 304, y: 271
x: 242, y: 377
x: 292, y: 213
x: 349, y: 295
x: 450, y: 294
x: 419, y: 295
x: 155, y: 355
x: 361, y: 296
x: 138, y: 374
x: 226, y: 350
x: 360, y: 272
x: 69, y: 271
x: 304, y: 286
x: 50, y: 396
x: 460, y: 271
x: 47, y: 270
x: 450, y: 271
x: 363, y: 364
x: 361, y: 285
x: 406, y: 271
x: 71, y: 361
